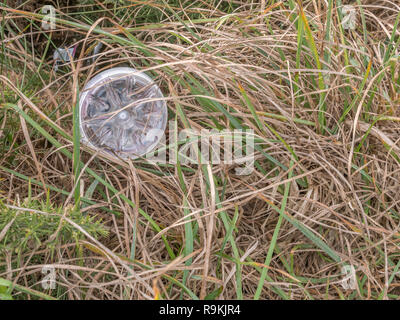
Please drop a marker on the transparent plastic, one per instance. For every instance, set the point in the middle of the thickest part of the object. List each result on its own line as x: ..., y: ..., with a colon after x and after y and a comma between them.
x: 122, y: 112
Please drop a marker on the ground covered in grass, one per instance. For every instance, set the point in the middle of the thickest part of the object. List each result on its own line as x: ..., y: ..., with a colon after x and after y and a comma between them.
x: 318, y: 82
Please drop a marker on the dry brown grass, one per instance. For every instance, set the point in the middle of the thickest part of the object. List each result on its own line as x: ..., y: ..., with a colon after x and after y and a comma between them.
x: 351, y: 198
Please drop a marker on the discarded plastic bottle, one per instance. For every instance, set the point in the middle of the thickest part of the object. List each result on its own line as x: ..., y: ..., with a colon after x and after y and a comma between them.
x: 122, y: 112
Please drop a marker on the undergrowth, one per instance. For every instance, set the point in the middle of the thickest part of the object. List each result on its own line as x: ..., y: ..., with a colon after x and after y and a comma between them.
x: 322, y: 99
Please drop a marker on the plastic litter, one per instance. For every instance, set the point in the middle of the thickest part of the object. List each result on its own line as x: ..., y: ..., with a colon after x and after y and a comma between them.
x: 63, y: 55
x: 122, y: 112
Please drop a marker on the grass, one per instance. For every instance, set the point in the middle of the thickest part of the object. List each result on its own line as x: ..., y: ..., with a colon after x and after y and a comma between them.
x: 322, y: 100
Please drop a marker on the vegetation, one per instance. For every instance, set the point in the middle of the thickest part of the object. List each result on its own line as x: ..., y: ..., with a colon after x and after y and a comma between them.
x: 321, y: 94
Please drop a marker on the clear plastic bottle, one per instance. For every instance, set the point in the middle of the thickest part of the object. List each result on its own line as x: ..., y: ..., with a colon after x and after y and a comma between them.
x: 122, y: 112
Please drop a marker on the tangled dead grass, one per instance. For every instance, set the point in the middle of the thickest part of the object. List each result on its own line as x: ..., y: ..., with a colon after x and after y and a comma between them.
x: 342, y: 206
